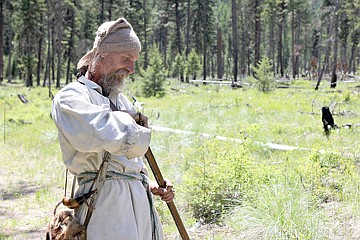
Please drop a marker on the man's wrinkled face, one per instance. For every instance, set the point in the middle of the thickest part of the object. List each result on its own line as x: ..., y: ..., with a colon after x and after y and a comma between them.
x: 110, y: 69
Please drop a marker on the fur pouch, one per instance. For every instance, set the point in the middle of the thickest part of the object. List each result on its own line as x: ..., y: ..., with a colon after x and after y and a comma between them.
x: 65, y: 226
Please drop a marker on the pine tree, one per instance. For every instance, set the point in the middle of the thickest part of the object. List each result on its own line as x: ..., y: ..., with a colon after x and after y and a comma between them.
x: 270, y: 10
x: 154, y: 76
x: 193, y: 65
x: 178, y: 67
x: 28, y: 13
x: 264, y: 77
x: 203, y: 29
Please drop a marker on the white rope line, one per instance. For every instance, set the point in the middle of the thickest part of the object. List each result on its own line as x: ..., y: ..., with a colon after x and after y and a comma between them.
x: 222, y: 138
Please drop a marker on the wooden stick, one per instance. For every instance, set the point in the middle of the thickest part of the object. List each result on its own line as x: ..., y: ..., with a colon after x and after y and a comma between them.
x: 160, y: 180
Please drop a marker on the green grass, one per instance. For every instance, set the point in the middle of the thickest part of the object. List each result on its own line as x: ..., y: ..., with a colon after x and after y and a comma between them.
x: 261, y: 193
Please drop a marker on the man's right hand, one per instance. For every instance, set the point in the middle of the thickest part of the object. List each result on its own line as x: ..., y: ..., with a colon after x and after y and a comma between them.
x: 141, y: 119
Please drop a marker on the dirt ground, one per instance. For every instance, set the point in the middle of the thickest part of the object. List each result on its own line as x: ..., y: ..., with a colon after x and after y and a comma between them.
x: 24, y: 212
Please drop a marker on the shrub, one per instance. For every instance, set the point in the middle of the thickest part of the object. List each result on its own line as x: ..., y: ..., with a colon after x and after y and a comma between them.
x: 217, y: 179
x: 332, y: 172
x: 264, y: 76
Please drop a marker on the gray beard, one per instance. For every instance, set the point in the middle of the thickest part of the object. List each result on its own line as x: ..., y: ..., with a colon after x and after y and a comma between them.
x: 113, y: 82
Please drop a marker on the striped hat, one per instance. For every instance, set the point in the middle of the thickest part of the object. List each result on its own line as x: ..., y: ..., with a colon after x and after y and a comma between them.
x: 113, y: 36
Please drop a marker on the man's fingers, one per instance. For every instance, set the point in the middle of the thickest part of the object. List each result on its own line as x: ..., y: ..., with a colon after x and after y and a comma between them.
x: 160, y: 191
x: 168, y: 184
x: 168, y: 197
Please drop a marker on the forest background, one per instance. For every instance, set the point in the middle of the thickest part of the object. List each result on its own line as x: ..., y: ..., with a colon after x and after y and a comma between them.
x: 217, y: 144
x: 41, y: 41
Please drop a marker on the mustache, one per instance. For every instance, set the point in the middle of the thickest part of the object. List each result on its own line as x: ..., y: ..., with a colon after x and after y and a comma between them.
x: 120, y: 73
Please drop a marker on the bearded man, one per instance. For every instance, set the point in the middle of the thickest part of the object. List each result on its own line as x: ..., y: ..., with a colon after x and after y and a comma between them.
x: 93, y: 117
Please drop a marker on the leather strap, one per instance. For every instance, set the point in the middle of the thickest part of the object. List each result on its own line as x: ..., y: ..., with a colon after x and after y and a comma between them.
x: 98, y: 182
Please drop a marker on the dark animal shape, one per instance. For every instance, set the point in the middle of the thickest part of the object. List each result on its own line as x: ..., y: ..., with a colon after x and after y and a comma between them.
x: 327, y: 119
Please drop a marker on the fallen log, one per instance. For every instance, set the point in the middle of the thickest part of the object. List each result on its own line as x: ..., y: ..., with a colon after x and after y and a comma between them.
x: 22, y: 98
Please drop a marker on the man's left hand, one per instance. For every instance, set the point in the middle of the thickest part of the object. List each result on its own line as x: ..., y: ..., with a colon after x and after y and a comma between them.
x: 166, y: 194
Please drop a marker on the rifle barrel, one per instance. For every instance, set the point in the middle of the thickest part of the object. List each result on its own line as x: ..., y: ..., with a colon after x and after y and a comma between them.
x: 160, y: 180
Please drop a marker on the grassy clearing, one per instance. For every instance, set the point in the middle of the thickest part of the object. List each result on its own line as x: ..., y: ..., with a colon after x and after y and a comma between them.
x: 247, y: 190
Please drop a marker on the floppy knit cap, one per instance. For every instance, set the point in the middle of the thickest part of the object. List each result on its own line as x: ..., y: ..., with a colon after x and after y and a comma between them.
x: 113, y: 36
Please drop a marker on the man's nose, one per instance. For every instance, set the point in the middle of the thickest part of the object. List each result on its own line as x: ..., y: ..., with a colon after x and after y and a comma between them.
x: 131, y: 68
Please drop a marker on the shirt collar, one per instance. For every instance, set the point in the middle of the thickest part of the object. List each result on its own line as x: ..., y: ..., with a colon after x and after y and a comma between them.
x: 90, y: 84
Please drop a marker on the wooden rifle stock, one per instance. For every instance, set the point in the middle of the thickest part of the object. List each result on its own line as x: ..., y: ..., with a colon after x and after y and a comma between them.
x: 160, y: 180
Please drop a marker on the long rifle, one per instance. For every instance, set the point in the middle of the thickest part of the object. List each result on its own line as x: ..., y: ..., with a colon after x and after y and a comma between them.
x: 160, y: 180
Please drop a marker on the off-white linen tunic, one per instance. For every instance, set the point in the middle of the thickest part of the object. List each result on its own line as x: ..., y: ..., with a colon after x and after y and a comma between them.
x: 87, y: 128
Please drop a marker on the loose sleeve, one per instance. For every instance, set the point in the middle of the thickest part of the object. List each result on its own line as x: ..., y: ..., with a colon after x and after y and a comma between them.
x: 93, y: 127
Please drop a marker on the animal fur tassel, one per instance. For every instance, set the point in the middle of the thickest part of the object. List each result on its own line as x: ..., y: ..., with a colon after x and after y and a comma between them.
x: 65, y: 226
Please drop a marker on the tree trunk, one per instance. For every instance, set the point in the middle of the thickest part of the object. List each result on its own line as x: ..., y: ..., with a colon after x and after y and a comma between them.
x: 188, y: 30
x: 327, y: 54
x: 293, y: 43
x: 333, y: 75
x: 70, y: 46
x: 227, y: 65
x: 28, y: 54
x: 47, y: 65
x: 297, y: 56
x: 219, y: 51
x: 243, y: 48
x: 204, y: 57
x: 355, y: 41
x: 52, y: 65
x: 58, y: 69
x: 314, y: 60
x: 297, y: 49
x: 1, y: 42
x: 29, y: 77
x: 306, y: 36
x: 257, y: 38
x: 280, y: 38
x: 272, y: 43
x: 110, y: 9
x: 59, y: 34
x: 145, y: 37
x: 204, y: 23
x: 344, y: 50
x: 9, y: 66
x: 212, y: 70
x: 327, y: 64
x: 178, y: 24
x: 39, y: 64
x: 234, y: 37
x: 248, y: 57
x: 164, y: 34
x: 48, y: 59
